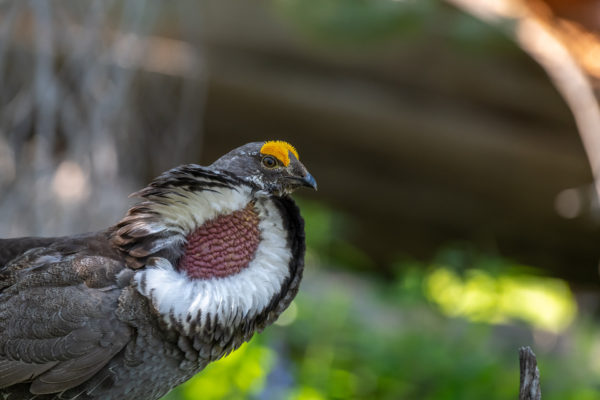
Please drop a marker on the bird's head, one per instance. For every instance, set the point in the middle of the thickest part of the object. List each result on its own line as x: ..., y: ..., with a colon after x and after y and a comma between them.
x: 272, y: 166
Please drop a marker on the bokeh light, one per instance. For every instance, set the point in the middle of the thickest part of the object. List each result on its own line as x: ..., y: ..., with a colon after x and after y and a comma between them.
x: 542, y: 302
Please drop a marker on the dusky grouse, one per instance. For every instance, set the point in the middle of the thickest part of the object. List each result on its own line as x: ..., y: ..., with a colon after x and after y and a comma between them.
x: 209, y: 256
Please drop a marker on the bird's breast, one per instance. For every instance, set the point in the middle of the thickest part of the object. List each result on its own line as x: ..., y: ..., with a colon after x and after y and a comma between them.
x: 223, y: 246
x: 233, y: 266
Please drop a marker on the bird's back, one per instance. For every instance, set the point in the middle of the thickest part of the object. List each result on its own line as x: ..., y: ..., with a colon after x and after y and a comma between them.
x: 12, y: 248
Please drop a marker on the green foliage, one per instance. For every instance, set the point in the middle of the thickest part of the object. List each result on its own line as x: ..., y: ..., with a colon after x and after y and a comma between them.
x: 543, y: 302
x: 364, y: 348
x: 357, y: 338
x: 467, y: 283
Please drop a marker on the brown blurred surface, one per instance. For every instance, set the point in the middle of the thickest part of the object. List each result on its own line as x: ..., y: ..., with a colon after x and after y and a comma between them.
x: 585, y: 12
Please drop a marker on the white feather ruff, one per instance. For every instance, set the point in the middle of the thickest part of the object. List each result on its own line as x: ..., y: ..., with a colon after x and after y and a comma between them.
x: 230, y: 299
x: 189, y: 210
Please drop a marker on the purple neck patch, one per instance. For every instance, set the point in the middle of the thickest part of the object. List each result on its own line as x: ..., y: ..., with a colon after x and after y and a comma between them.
x: 222, y: 246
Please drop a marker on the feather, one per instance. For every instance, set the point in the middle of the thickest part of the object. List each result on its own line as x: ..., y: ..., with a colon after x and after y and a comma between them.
x: 12, y: 372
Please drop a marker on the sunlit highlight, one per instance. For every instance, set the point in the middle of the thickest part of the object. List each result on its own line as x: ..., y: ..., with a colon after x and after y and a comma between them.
x: 544, y: 303
x: 70, y: 182
x: 568, y: 203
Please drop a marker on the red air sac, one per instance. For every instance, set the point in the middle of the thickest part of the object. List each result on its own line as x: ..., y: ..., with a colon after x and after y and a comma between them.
x: 222, y: 246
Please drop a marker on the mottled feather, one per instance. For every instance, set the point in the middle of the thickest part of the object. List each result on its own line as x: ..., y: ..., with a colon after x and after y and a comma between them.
x: 58, y: 325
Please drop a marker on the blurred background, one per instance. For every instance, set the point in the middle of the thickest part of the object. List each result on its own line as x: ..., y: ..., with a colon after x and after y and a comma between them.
x: 454, y: 143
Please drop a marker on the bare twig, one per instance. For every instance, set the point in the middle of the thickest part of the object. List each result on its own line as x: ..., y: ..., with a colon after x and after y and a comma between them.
x: 530, y: 375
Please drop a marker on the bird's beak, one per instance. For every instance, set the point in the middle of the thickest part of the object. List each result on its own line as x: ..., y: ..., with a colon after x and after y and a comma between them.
x: 309, y: 181
x: 304, y: 179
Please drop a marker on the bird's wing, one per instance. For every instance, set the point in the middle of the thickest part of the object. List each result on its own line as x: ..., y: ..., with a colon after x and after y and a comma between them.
x: 57, y: 317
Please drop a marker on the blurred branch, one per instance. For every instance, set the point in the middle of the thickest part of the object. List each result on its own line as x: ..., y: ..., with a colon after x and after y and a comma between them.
x: 529, y: 388
x: 92, y: 91
x: 126, y: 49
x: 571, y: 81
x: 558, y: 50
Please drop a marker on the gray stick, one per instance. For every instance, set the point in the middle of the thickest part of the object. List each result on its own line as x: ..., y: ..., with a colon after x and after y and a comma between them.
x: 530, y: 375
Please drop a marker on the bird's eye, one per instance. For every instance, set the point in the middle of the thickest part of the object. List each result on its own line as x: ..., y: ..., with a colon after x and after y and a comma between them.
x: 269, y: 162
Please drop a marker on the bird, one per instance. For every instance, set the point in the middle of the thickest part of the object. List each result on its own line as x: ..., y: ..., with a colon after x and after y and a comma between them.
x: 207, y: 257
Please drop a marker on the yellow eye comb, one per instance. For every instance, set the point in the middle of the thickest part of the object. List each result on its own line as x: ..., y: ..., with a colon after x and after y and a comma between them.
x: 280, y: 150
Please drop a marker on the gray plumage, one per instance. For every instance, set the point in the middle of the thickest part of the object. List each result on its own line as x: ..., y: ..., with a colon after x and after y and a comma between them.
x: 74, y: 320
